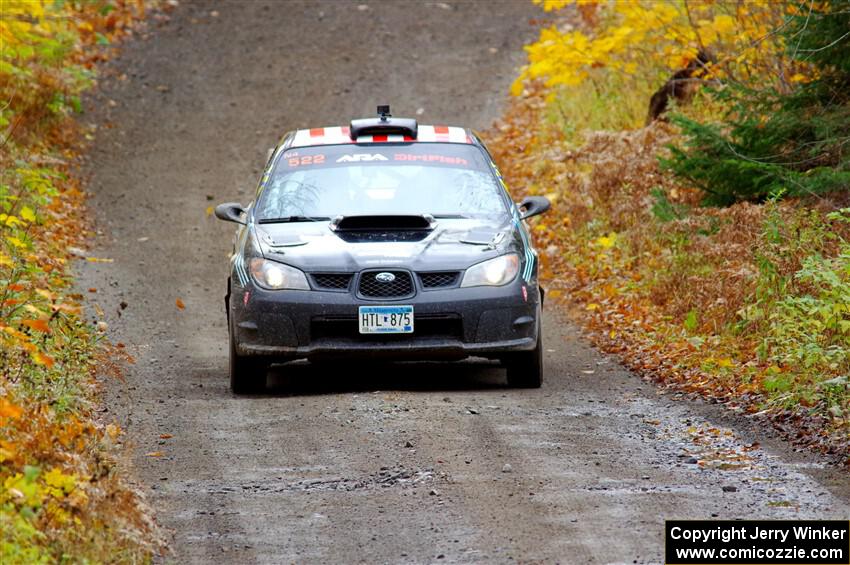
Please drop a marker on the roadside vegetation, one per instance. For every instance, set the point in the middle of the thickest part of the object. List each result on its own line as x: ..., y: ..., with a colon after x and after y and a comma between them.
x: 697, y: 157
x: 62, y: 498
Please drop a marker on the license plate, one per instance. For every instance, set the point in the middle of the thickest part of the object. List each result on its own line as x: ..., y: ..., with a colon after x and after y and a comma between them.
x: 386, y: 319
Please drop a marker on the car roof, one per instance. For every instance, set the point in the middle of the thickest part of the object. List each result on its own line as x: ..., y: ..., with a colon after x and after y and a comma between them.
x: 341, y: 135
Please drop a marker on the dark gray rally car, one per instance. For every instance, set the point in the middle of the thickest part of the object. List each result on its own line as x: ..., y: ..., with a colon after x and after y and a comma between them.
x: 385, y: 239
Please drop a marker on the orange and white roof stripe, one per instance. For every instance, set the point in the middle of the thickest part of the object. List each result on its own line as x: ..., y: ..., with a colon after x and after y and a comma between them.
x: 341, y: 135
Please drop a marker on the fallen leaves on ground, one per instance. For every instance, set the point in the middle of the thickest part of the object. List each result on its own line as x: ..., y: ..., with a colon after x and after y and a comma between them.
x: 659, y: 280
x: 62, y: 496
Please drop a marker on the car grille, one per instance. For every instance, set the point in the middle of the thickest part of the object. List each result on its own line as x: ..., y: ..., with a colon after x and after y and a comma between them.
x: 445, y: 326
x: 332, y: 281
x: 439, y: 280
x: 399, y: 287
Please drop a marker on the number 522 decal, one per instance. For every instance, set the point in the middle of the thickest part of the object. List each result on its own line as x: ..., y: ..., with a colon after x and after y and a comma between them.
x: 305, y: 160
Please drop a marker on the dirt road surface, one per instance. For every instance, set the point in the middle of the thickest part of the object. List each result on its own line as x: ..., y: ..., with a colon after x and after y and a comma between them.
x: 423, y: 463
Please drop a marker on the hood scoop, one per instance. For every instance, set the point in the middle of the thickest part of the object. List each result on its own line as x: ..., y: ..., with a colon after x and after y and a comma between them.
x: 486, y: 238
x: 383, y: 223
x: 282, y: 240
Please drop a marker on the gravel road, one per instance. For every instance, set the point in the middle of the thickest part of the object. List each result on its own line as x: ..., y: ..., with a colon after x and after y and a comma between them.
x: 406, y: 463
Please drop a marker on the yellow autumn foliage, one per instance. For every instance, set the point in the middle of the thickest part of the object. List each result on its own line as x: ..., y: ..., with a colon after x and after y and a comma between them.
x: 49, y: 444
x: 20, y: 17
x: 657, y: 37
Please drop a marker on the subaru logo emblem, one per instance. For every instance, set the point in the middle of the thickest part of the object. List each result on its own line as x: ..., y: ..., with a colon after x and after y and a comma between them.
x: 385, y: 277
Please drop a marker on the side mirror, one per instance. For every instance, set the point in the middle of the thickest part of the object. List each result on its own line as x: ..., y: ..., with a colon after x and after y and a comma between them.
x: 533, y: 205
x: 230, y: 212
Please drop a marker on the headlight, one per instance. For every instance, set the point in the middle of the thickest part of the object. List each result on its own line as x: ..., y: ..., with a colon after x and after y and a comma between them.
x: 277, y: 276
x: 495, y: 272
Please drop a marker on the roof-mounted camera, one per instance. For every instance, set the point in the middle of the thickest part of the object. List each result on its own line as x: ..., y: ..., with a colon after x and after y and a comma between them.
x: 384, y: 124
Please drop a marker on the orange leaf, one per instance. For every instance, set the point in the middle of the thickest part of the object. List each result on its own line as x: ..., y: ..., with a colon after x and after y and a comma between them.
x: 165, y: 436
x: 17, y: 334
x: 180, y: 305
x: 43, y: 359
x: 37, y: 325
x: 9, y: 410
x: 154, y: 454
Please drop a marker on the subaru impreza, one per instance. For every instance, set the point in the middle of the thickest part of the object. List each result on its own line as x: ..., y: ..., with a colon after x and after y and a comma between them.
x: 383, y: 239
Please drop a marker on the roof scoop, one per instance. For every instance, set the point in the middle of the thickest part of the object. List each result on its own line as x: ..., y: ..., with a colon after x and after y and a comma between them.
x: 383, y: 222
x: 384, y: 124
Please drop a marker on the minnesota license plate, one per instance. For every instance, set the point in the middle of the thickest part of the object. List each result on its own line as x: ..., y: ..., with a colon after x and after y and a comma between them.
x: 386, y: 319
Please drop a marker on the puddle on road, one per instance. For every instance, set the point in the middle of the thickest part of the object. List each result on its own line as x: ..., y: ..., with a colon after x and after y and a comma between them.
x: 398, y: 477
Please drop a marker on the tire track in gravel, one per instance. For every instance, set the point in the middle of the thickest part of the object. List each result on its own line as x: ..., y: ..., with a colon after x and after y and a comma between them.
x: 340, y: 466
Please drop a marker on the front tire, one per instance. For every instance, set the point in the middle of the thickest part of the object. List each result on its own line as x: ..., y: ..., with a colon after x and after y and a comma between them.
x: 247, y: 374
x: 525, y: 369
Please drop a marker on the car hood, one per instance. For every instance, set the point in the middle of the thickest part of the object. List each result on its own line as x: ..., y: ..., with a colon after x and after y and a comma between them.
x: 452, y: 244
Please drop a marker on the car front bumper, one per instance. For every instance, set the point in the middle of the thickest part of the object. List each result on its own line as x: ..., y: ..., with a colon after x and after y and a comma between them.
x: 448, y: 324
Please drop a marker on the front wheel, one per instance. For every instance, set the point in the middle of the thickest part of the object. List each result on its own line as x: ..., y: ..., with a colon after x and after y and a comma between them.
x: 247, y: 374
x: 525, y: 369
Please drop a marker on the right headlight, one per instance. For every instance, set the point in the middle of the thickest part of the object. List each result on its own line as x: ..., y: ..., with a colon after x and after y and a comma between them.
x: 277, y: 276
x: 495, y: 272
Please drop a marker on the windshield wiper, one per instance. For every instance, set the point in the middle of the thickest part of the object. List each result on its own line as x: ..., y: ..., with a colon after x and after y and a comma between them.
x: 449, y: 217
x: 286, y: 219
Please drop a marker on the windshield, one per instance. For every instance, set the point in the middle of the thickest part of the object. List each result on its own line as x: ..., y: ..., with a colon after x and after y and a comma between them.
x: 441, y: 179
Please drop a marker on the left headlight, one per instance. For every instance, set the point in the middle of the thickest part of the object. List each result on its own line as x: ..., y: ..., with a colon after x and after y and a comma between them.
x: 277, y: 276
x: 495, y: 272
